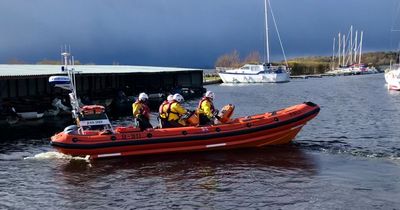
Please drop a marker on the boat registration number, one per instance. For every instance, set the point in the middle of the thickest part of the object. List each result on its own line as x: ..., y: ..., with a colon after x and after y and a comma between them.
x: 93, y: 122
x: 130, y: 136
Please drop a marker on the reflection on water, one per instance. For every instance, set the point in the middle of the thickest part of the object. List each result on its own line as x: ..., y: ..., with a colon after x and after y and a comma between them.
x: 205, y: 174
x: 171, y: 180
x: 199, y: 164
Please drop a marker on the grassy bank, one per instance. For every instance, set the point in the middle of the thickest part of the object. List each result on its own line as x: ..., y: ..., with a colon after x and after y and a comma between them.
x: 309, y: 65
x: 211, y: 78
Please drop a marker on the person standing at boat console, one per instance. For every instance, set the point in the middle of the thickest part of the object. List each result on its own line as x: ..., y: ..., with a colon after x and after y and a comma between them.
x: 206, y: 110
x: 141, y: 112
x: 174, y: 111
x: 163, y: 115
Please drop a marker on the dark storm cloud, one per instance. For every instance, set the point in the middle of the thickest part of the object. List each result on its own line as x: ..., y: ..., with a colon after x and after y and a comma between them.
x: 181, y: 32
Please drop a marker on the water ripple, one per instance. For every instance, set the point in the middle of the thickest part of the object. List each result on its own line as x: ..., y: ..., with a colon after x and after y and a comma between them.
x: 340, y: 147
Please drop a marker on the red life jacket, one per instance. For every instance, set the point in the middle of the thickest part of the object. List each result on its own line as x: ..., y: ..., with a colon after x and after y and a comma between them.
x: 161, y: 109
x: 206, y: 99
x: 169, y: 108
x: 145, y: 110
x: 176, y: 112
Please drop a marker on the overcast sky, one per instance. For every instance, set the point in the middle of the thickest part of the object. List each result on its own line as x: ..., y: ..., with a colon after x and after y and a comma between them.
x: 185, y: 33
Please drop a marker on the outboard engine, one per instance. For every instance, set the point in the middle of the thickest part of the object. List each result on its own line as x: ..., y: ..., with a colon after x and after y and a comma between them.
x: 71, y: 128
x: 226, y: 113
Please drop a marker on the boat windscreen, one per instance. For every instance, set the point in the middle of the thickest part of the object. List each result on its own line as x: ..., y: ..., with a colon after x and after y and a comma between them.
x: 101, y: 116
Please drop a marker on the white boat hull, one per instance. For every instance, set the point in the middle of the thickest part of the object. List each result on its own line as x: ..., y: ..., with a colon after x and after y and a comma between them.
x: 353, y: 71
x: 254, y: 78
x: 392, y: 78
x: 340, y: 71
x: 30, y: 115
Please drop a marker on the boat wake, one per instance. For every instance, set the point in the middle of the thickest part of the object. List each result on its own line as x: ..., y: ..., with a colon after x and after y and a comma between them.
x: 55, y: 156
x: 342, y: 147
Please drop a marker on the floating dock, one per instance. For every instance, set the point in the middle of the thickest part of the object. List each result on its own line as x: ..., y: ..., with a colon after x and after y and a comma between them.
x: 311, y: 76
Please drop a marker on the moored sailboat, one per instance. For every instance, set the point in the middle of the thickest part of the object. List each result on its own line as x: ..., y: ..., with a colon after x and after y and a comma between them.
x: 260, y: 73
x: 349, y: 55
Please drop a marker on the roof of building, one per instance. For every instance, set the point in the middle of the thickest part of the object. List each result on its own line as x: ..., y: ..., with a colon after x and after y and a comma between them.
x: 11, y: 70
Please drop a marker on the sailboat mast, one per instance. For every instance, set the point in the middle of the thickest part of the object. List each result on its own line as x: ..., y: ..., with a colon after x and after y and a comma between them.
x: 355, y: 47
x: 333, y: 53
x: 351, y: 44
x: 339, y: 45
x: 361, y: 40
x: 266, y: 30
x: 344, y: 48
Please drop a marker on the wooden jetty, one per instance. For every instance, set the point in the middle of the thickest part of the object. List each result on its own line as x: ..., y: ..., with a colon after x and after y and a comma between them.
x: 311, y: 76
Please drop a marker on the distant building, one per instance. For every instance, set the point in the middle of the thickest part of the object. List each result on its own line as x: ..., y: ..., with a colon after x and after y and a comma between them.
x: 26, y: 87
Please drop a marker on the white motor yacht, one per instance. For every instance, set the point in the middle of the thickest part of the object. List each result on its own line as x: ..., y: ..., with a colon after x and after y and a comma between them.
x: 256, y: 73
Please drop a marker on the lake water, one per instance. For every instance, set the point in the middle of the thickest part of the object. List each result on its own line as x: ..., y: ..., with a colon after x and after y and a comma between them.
x: 348, y: 157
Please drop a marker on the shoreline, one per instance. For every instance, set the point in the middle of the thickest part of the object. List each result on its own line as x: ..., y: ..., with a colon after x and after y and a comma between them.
x: 213, y: 78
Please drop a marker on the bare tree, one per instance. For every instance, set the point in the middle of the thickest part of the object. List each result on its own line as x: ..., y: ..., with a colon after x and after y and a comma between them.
x: 49, y: 62
x: 252, y: 58
x: 15, y: 61
x: 229, y: 60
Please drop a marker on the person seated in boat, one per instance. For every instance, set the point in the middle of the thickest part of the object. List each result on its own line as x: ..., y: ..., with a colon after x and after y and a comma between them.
x: 206, y: 110
x: 174, y: 111
x: 141, y: 112
x: 163, y: 115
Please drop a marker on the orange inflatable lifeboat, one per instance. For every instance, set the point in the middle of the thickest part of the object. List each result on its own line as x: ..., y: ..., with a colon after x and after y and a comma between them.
x: 270, y: 128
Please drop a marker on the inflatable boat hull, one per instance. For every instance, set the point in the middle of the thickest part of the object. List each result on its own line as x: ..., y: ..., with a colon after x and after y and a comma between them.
x: 271, y: 128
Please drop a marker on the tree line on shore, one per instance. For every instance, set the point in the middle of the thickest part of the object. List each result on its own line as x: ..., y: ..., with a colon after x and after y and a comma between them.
x: 42, y: 62
x: 305, y: 65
